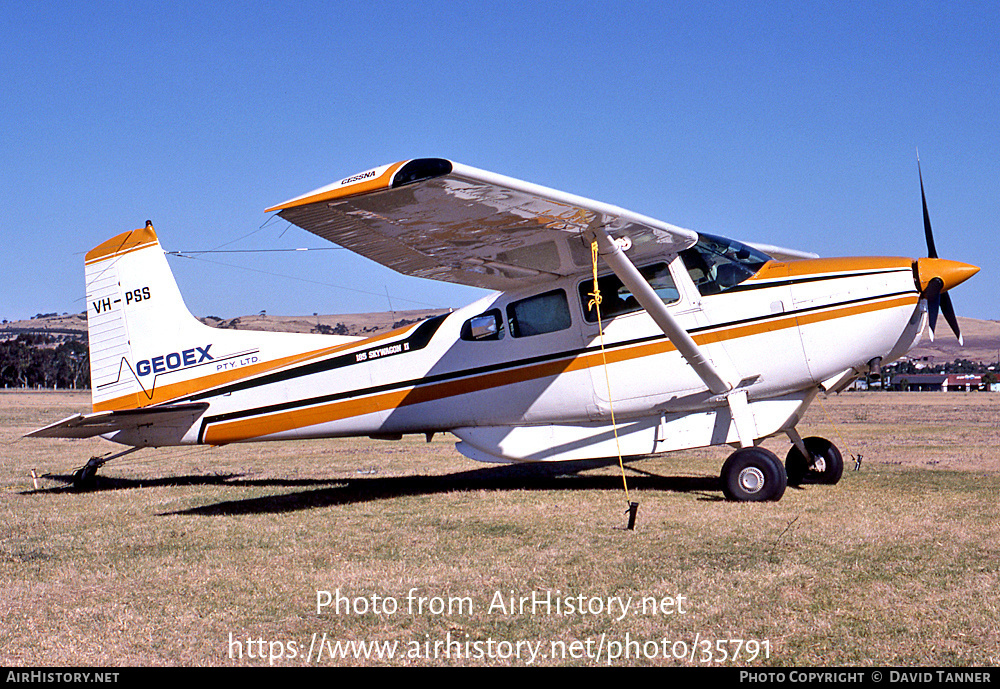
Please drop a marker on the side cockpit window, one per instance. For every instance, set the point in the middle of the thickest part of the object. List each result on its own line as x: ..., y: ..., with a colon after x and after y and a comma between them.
x: 616, y: 299
x: 716, y: 264
x: 542, y: 313
x: 485, y: 326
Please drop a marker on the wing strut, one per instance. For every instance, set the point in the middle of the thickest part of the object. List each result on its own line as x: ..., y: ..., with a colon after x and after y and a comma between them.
x: 630, y: 276
x: 650, y: 300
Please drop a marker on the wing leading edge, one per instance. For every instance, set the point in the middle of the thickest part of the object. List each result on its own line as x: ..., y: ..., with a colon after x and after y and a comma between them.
x: 436, y: 219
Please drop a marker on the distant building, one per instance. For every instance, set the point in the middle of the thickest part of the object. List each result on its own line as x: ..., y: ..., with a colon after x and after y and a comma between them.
x: 934, y: 382
x: 965, y: 382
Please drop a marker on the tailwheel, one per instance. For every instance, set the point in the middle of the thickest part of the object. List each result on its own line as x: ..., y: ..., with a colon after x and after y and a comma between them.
x: 753, y: 474
x: 824, y: 465
x: 85, y: 478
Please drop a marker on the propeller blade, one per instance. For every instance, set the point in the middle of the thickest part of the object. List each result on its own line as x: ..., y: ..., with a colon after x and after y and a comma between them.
x: 933, y: 296
x: 949, y: 315
x: 948, y: 274
x: 928, y: 234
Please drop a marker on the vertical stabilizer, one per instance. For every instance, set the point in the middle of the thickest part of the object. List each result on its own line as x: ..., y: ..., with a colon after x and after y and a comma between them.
x: 133, y: 305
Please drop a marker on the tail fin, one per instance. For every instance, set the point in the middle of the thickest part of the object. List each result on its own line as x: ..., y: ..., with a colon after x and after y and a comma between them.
x: 133, y: 308
x: 149, y: 357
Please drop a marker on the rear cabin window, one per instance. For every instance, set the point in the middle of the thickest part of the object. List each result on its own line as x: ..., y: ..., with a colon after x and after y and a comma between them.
x: 542, y: 313
x: 617, y: 299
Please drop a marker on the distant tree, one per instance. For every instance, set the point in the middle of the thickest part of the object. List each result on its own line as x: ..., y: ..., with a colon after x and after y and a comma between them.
x: 30, y: 361
x: 339, y: 329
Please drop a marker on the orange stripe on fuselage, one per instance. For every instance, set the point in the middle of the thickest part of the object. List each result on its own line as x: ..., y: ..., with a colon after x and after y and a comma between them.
x: 255, y: 427
x: 175, y: 391
x: 828, y: 266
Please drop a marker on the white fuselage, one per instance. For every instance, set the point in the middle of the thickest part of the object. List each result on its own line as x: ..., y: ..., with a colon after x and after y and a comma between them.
x: 779, y: 335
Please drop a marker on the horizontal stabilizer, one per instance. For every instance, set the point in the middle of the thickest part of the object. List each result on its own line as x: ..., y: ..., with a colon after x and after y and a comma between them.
x: 102, y: 423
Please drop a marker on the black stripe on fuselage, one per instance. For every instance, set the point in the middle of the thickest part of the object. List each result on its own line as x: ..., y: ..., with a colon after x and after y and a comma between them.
x: 422, y: 335
x: 417, y: 340
x: 492, y: 368
x: 788, y: 282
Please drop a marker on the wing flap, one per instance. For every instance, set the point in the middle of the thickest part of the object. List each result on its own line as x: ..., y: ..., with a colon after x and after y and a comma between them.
x: 440, y: 220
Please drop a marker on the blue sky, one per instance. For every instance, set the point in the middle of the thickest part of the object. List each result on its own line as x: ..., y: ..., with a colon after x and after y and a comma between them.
x: 793, y: 124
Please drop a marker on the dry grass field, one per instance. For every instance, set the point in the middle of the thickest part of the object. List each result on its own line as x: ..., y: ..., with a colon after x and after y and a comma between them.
x: 200, y: 556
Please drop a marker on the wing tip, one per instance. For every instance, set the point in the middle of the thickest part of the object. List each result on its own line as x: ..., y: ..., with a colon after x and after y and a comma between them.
x: 420, y: 170
x: 386, y: 177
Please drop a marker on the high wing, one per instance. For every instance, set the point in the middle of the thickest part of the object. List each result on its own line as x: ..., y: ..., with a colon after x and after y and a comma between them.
x: 780, y: 253
x: 436, y: 219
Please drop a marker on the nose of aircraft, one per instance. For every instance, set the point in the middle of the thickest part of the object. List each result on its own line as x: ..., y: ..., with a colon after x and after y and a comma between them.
x: 951, y: 273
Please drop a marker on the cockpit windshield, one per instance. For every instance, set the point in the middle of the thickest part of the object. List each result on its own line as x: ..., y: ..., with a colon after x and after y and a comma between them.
x: 717, y: 264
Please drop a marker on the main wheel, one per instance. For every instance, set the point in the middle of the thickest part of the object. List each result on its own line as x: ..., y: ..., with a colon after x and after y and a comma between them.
x: 753, y: 474
x: 826, y: 465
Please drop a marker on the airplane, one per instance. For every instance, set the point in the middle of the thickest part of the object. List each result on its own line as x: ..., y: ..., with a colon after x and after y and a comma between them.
x: 607, y: 333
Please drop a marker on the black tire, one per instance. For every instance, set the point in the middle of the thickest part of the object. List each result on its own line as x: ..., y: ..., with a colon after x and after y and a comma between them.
x: 753, y: 474
x: 85, y: 478
x: 825, y: 466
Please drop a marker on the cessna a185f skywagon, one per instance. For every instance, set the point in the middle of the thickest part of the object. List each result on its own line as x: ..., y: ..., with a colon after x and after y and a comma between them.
x: 609, y: 334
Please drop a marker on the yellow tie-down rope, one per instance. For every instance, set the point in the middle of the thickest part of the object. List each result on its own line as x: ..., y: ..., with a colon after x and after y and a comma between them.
x: 595, y: 303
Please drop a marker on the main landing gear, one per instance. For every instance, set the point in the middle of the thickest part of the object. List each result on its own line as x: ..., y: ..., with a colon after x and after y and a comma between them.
x: 755, y: 474
x: 823, y: 465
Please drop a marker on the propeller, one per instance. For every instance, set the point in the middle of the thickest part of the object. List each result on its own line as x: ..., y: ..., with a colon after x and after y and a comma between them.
x: 934, y: 291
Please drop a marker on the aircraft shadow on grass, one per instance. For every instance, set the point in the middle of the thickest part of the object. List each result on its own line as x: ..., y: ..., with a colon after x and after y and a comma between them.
x: 344, y: 491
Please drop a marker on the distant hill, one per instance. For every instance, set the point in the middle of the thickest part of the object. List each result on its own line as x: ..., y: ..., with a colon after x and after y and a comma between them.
x: 74, y: 326
x: 982, y: 342
x: 71, y: 326
x: 982, y: 338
